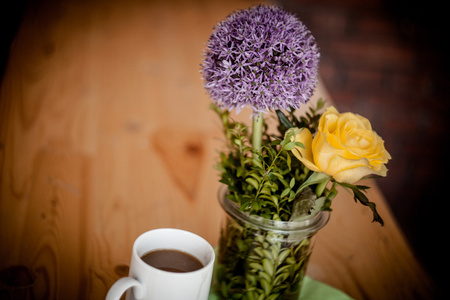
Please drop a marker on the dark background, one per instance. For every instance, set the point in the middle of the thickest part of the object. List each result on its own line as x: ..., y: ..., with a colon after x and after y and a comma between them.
x: 386, y: 60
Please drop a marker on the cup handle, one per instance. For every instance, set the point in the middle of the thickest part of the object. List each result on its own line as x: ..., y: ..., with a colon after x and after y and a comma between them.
x: 122, y: 285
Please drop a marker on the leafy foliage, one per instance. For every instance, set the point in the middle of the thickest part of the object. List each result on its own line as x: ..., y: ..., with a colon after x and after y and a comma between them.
x: 271, y: 182
x: 259, y: 264
x: 359, y: 196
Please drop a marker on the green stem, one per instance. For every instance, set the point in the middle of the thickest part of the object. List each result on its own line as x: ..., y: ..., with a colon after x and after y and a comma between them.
x: 257, y: 132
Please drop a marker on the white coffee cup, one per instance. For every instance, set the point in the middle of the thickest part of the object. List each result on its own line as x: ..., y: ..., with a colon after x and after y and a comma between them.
x: 149, y: 283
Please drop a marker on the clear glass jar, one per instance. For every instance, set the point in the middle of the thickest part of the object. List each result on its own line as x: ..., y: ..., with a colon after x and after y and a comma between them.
x: 258, y: 258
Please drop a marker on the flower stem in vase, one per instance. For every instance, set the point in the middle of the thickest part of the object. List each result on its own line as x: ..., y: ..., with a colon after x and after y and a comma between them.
x: 257, y: 132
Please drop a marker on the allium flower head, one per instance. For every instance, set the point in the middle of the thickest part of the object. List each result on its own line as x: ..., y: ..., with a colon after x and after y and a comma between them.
x: 262, y: 57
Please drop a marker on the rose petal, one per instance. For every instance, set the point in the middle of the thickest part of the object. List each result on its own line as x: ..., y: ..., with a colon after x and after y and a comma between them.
x: 324, y: 152
x: 304, y: 136
x: 350, y: 171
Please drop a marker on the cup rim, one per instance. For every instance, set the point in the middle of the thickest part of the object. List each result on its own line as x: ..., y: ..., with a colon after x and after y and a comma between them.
x: 200, y: 238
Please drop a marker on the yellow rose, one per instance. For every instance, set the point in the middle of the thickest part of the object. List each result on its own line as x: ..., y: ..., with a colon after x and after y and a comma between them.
x: 345, y: 147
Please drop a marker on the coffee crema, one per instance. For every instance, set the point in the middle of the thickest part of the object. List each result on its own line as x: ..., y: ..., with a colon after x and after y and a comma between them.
x: 172, y: 260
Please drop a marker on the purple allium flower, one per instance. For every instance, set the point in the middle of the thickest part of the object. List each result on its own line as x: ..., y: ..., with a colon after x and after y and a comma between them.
x: 262, y: 57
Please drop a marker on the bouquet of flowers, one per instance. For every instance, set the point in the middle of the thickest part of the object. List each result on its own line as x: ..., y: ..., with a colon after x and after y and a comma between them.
x: 266, y: 59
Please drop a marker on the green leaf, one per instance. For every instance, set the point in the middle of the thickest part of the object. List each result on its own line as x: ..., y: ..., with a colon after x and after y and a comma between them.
x: 275, y: 142
x: 268, y: 256
x: 292, y: 183
x: 273, y: 297
x: 266, y: 286
x: 290, y: 260
x: 224, y: 288
x: 358, y: 195
x: 302, y: 247
x: 284, y: 120
x: 247, y: 160
x: 250, y: 295
x: 288, y: 161
x: 291, y: 195
x: 332, y: 193
x: 275, y: 200
x: 256, y: 205
x: 265, y: 276
x: 258, y: 251
x: 256, y: 176
x: 283, y: 255
x: 240, y: 171
x: 284, y: 182
x: 321, y: 187
x: 266, y: 191
x: 281, y: 277
x: 251, y: 278
x: 276, y: 174
x: 320, y: 103
x: 298, y: 144
x: 257, y: 162
x: 245, y: 203
x: 255, y: 267
x: 271, y: 185
x: 315, y: 178
x: 252, y: 182
x: 289, y: 146
x: 283, y: 269
x: 285, y: 192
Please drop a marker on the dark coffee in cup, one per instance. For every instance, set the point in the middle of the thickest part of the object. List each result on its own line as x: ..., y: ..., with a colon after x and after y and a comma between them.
x: 172, y: 260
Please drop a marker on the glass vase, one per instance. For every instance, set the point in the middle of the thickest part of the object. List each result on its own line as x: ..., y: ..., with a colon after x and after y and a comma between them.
x: 258, y: 258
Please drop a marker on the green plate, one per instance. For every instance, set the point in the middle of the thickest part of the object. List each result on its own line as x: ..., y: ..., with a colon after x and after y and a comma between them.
x: 312, y: 290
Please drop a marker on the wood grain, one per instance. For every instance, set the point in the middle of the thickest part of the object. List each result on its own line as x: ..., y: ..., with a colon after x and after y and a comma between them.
x: 106, y: 132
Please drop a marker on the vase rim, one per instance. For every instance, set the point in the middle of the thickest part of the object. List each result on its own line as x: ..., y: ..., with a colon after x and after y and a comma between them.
x: 309, y: 225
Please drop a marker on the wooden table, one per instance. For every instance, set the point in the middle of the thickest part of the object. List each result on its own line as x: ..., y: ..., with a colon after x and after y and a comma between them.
x: 106, y: 132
